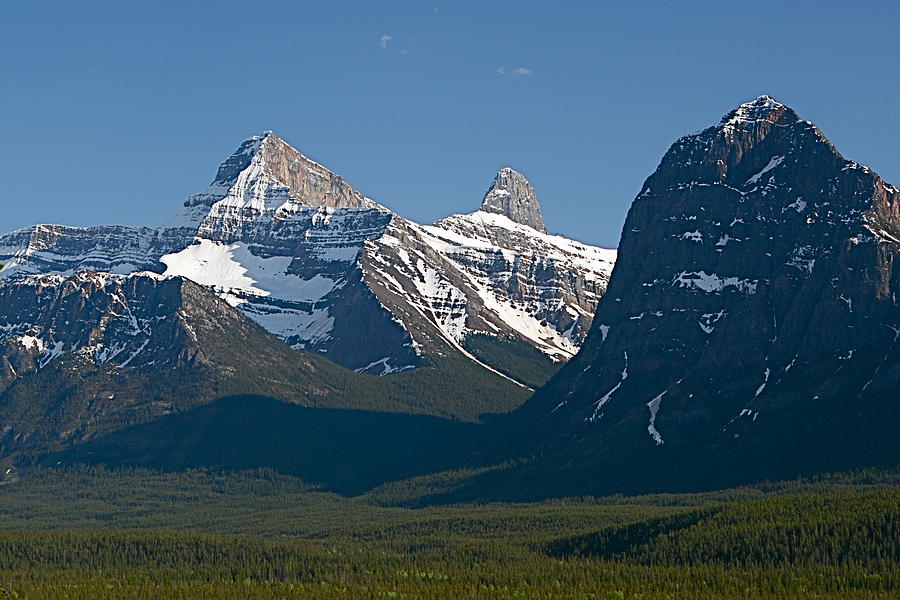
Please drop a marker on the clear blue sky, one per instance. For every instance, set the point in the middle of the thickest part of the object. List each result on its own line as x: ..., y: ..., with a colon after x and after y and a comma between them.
x: 114, y: 112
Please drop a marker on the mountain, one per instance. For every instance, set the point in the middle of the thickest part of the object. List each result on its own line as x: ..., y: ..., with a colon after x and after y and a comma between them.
x: 295, y: 248
x: 93, y: 354
x: 750, y: 328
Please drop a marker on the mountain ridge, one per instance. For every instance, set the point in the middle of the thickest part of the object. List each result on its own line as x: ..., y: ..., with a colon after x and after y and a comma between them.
x: 296, y: 248
x: 93, y: 353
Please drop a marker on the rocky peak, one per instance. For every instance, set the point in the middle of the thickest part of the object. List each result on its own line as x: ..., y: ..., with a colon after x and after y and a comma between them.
x: 511, y: 195
x: 749, y: 314
x: 310, y: 183
x: 763, y: 108
x: 269, y: 161
x: 748, y: 141
x: 750, y: 328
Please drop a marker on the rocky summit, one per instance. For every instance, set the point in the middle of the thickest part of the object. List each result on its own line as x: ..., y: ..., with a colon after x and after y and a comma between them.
x: 751, y: 325
x: 513, y: 197
x: 295, y: 248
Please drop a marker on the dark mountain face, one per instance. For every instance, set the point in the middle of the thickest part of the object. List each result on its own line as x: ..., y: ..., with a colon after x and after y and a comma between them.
x: 750, y: 327
x: 107, y: 319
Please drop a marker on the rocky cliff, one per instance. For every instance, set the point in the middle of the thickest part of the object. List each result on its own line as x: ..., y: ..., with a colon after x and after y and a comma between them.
x: 511, y: 195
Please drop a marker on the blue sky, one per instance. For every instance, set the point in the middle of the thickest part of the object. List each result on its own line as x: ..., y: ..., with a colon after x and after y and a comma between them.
x: 114, y: 112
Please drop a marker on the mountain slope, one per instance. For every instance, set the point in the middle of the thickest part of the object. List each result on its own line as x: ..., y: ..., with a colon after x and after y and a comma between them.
x: 94, y: 353
x: 315, y: 262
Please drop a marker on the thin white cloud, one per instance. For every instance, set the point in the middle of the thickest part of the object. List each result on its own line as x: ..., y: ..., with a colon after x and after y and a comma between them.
x: 516, y: 72
x: 384, y: 39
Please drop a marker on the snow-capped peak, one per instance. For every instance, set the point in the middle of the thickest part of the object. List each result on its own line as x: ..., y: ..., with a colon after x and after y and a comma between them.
x: 511, y: 195
x: 267, y: 175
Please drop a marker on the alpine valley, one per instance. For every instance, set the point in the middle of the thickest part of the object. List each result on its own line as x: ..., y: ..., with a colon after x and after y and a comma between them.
x: 281, y: 319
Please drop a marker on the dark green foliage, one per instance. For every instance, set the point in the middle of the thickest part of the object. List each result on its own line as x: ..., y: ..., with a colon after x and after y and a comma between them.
x: 167, y: 565
x: 852, y: 528
x: 309, y: 544
x: 70, y: 401
x: 520, y: 360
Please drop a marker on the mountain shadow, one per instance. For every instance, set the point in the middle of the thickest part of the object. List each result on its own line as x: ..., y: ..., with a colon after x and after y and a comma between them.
x: 345, y: 451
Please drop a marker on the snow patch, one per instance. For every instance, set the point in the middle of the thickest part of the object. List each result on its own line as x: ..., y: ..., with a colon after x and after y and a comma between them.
x: 803, y: 258
x: 233, y: 268
x: 723, y: 241
x: 605, y: 398
x: 653, y: 405
x: 386, y: 368
x: 58, y: 349
x: 774, y: 162
x: 708, y: 320
x: 762, y: 387
x: 712, y: 283
x: 799, y: 205
x: 297, y: 326
x: 32, y: 343
x: 847, y: 301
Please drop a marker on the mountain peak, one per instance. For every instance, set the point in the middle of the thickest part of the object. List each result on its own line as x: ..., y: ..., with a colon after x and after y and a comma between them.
x: 762, y: 110
x: 268, y: 157
x: 511, y: 195
x: 755, y: 109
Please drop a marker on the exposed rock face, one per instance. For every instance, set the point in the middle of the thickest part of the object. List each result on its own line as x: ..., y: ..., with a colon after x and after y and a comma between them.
x: 543, y: 286
x: 512, y: 196
x: 58, y: 248
x: 142, y: 321
x: 106, y: 318
x: 295, y: 248
x: 298, y: 180
x: 752, y: 313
